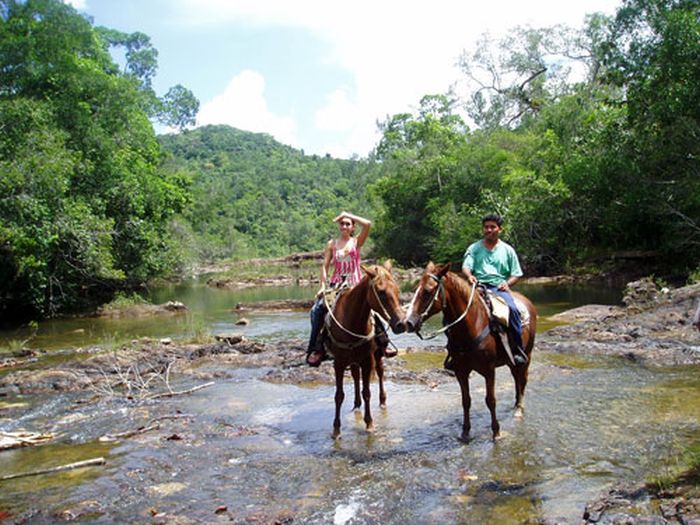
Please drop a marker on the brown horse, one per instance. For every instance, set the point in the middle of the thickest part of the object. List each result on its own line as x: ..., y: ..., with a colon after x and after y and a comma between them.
x: 470, y: 341
x: 351, y: 335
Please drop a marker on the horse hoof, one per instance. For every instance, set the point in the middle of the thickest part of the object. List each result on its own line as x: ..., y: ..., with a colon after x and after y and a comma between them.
x: 382, y: 406
x: 464, y: 438
x: 518, y: 414
x: 370, y: 428
x: 335, y: 434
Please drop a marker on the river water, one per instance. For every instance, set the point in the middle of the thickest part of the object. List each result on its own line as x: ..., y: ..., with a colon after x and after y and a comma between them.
x: 250, y: 451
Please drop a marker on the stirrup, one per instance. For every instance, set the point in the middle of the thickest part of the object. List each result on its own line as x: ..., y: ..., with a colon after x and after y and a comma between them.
x: 449, y: 363
x: 390, y: 352
x: 520, y: 358
x: 315, y: 358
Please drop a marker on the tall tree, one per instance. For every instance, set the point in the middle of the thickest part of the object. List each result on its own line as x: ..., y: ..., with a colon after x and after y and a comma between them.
x: 83, y: 204
x: 654, y: 56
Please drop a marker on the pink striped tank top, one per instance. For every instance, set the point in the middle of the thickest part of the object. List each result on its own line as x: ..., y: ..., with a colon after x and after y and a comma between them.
x: 346, y: 263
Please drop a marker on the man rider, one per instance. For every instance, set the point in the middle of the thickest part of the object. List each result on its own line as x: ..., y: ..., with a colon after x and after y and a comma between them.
x: 494, y: 263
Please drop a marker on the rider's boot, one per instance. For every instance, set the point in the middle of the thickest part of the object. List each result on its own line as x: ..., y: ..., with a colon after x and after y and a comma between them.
x: 317, y: 354
x: 382, y: 340
x: 449, y: 363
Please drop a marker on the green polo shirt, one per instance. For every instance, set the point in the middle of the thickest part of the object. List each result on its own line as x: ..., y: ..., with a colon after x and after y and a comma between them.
x: 492, y: 266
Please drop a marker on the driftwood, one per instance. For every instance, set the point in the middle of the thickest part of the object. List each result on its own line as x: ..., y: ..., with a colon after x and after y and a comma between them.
x: 22, y: 439
x: 181, y: 392
x: 151, y: 425
x: 129, y: 433
x: 60, y: 468
x: 281, y: 305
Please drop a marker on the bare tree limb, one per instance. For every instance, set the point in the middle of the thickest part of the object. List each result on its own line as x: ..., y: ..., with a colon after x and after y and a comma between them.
x: 69, y: 466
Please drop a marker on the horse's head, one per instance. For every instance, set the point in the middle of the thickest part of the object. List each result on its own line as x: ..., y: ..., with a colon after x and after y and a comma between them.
x: 384, y: 295
x: 428, y: 297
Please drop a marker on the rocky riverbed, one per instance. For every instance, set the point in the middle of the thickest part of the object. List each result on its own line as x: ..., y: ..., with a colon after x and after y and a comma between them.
x: 654, y: 329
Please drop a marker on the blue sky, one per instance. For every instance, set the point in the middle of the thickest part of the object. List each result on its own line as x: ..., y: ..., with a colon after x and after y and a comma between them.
x: 319, y: 74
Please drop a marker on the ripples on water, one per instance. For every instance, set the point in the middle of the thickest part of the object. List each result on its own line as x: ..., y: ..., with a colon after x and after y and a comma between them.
x: 263, y: 450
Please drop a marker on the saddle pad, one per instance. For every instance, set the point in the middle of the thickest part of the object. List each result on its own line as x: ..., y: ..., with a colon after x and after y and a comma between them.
x: 502, y: 312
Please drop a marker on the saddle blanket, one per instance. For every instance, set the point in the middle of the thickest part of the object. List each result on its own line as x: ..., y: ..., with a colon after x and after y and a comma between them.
x: 501, y: 311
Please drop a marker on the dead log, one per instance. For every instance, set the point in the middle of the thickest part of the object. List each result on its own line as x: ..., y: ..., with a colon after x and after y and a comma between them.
x: 60, y: 468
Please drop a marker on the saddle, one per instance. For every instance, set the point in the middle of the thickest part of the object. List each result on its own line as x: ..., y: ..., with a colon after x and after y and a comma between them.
x: 500, y: 312
x: 499, y: 317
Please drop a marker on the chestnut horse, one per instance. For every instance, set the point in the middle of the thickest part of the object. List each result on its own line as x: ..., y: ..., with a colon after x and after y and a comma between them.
x: 469, y: 339
x: 350, y: 335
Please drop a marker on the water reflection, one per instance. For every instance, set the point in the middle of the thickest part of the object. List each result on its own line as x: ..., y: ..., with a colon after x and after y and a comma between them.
x: 263, y: 450
x: 212, y: 310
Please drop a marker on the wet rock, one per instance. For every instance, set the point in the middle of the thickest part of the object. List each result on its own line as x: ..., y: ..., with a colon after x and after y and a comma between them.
x: 590, y: 312
x: 243, y: 322
x: 143, y: 310
x: 231, y: 339
x: 166, y: 489
x: 641, y: 294
x: 84, y: 509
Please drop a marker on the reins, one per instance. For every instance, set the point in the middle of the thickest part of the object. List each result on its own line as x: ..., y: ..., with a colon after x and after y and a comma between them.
x: 362, y: 338
x: 441, y: 288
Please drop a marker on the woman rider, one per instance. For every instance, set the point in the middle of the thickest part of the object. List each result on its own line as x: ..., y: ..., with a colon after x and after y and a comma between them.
x: 344, y: 253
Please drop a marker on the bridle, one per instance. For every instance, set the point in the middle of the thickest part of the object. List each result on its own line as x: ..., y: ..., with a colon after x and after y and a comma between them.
x: 440, y: 288
x: 362, y: 338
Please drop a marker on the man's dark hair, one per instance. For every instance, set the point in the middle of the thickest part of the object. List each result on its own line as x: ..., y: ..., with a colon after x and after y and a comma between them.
x: 492, y: 217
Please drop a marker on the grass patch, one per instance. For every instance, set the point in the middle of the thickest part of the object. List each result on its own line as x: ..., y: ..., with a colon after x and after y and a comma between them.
x: 685, y: 470
x: 267, y: 268
x: 124, y: 300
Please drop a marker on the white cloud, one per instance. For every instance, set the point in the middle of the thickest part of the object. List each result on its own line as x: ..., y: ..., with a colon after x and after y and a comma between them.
x: 80, y: 5
x: 396, y: 50
x: 339, y: 113
x: 242, y: 105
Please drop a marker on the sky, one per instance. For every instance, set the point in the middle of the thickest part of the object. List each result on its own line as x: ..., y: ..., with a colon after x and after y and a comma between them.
x: 319, y: 74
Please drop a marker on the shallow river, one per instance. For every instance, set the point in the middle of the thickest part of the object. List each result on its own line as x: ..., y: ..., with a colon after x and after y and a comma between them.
x: 261, y: 452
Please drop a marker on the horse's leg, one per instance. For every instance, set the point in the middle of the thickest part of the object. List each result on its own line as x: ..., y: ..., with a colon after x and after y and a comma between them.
x: 366, y: 374
x: 339, y: 396
x: 379, y: 368
x: 463, y: 378
x: 520, y: 374
x: 355, y: 371
x: 490, y: 377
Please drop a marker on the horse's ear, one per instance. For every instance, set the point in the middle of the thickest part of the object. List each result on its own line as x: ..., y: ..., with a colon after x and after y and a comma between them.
x: 443, y: 269
x: 388, y: 265
x: 369, y: 270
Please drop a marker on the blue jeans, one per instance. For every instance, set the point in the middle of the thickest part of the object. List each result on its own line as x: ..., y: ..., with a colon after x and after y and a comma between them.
x: 514, y: 322
x: 317, y: 315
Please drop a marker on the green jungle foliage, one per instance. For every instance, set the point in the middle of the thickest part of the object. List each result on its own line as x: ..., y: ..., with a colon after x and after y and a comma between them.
x: 586, y: 141
x: 84, y: 204
x: 581, y: 168
x: 254, y: 197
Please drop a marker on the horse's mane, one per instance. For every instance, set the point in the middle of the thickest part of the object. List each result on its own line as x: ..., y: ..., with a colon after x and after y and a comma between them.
x: 460, y: 283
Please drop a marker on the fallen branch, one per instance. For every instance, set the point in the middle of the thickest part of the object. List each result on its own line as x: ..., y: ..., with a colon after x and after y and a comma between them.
x: 128, y: 433
x: 60, y: 468
x: 151, y: 425
x: 22, y: 439
x: 181, y: 392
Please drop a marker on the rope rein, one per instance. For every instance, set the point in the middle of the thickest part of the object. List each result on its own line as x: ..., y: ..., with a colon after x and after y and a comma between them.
x: 439, y: 288
x: 362, y: 337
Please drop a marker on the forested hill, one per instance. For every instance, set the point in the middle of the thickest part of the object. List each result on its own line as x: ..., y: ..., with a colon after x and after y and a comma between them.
x: 252, y: 196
